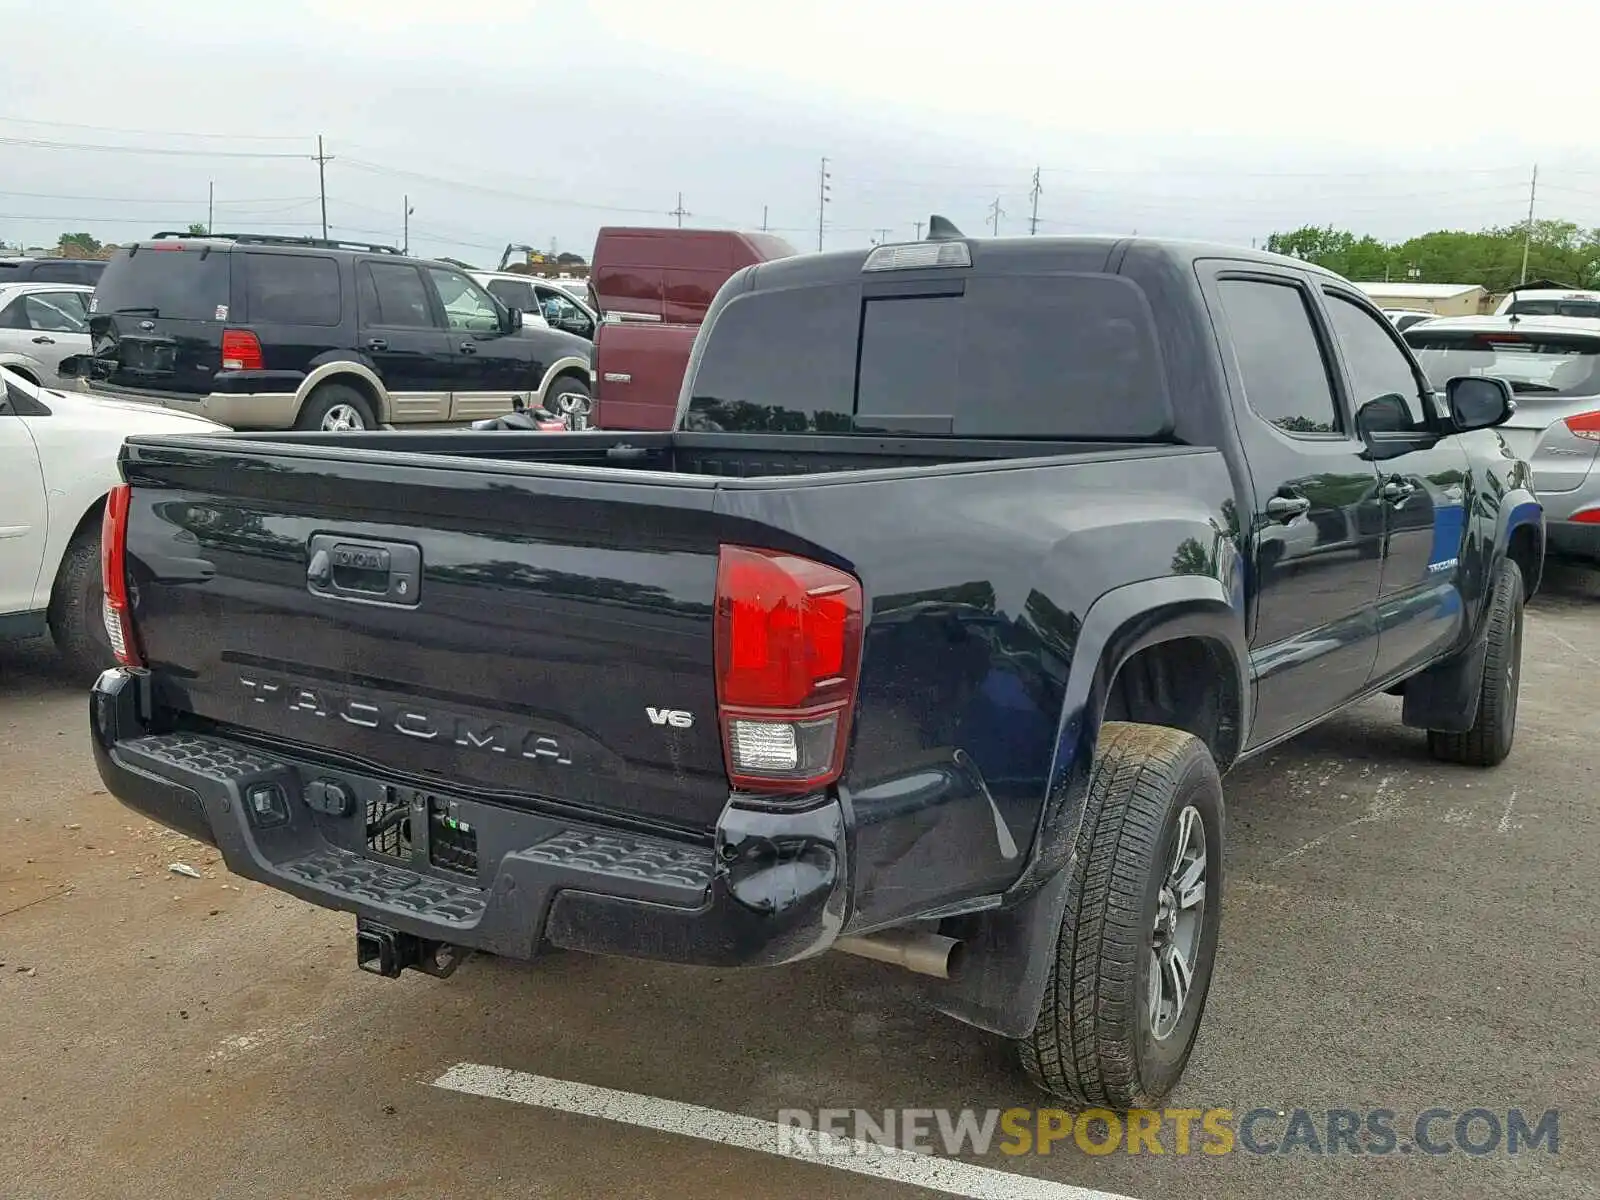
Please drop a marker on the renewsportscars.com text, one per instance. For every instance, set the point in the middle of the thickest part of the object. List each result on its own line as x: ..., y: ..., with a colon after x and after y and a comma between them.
x: 1213, y: 1131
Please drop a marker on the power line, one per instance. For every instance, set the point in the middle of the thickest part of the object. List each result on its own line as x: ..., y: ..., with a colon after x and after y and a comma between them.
x: 230, y: 137
x: 162, y: 151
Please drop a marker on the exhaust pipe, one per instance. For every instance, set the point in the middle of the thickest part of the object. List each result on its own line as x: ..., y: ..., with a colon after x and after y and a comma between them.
x: 925, y: 953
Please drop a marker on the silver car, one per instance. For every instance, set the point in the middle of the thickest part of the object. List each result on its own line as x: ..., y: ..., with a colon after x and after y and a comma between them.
x: 41, y: 324
x: 1553, y: 367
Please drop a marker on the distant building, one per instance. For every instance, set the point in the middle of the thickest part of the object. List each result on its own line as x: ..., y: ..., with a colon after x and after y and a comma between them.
x: 1446, y: 299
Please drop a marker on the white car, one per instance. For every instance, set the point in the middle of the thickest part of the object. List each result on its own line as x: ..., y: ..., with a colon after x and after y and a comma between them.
x: 41, y: 324
x: 58, y: 459
x: 1549, y: 302
x: 541, y: 301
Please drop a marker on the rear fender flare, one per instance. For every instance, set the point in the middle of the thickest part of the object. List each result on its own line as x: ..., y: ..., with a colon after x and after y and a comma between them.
x: 331, y: 371
x: 1009, y: 950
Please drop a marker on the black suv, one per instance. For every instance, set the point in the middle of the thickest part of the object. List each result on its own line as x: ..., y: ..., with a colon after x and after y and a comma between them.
x: 261, y: 332
x: 51, y: 270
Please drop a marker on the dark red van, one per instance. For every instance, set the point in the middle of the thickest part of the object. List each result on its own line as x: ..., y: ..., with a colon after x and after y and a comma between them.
x: 653, y: 287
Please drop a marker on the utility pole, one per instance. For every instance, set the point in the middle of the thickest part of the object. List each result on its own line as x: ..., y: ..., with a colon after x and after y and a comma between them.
x: 680, y: 212
x: 995, y: 213
x: 763, y: 218
x: 322, y: 160
x: 1033, y: 221
x: 822, y: 199
x: 1527, y: 236
x: 883, y: 236
x: 918, y: 224
x: 405, y: 241
x: 211, y: 204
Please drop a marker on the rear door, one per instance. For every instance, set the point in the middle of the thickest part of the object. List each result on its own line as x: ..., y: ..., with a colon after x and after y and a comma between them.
x: 157, y: 316
x: 1317, y: 524
x: 1423, y: 484
x: 46, y: 326
x: 402, y: 334
x: 294, y: 303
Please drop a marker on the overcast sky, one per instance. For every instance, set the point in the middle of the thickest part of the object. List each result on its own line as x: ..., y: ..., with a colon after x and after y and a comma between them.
x: 538, y: 121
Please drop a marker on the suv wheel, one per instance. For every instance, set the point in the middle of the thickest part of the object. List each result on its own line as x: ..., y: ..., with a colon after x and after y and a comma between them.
x: 336, y: 407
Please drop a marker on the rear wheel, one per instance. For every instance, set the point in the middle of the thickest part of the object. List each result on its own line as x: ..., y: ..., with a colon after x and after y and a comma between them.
x: 336, y: 407
x: 77, y: 623
x: 1488, y: 742
x: 1133, y: 962
x: 569, y: 399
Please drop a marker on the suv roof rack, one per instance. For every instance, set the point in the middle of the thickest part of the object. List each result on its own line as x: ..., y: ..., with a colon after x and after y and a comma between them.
x: 274, y: 239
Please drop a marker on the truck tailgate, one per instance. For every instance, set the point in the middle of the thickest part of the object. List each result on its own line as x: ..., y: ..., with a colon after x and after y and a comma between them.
x: 539, y: 639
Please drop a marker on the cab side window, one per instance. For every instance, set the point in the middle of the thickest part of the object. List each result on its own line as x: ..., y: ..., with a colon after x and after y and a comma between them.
x: 1281, y: 363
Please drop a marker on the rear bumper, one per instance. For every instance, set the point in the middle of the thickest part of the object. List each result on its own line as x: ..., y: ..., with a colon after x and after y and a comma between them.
x: 238, y: 410
x: 1572, y: 539
x: 771, y: 889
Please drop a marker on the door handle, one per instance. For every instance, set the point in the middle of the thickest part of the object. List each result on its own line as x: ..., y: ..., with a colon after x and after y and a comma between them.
x: 469, y: 347
x: 41, y: 340
x: 377, y: 344
x: 1397, y: 491
x: 1284, y: 509
x: 366, y: 571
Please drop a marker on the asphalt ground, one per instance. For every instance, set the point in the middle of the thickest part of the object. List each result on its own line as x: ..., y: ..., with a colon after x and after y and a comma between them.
x: 1398, y: 934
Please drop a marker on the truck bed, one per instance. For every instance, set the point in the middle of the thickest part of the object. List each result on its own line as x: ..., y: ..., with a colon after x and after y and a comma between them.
x: 724, y: 455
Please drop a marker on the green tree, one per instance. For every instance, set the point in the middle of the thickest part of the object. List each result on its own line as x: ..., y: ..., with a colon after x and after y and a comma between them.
x: 197, y: 229
x: 86, y: 242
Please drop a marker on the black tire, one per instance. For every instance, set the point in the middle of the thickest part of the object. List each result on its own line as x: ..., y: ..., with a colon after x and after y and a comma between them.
x: 1489, y: 740
x: 331, y: 398
x: 577, y: 413
x: 77, y: 623
x: 1096, y: 1041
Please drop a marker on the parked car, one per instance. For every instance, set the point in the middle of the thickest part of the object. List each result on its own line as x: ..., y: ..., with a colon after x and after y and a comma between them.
x: 58, y: 459
x: 86, y: 271
x: 262, y: 332
x: 1405, y: 318
x: 1549, y: 302
x: 653, y: 287
x: 540, y: 302
x: 1553, y: 367
x: 926, y: 638
x: 40, y: 325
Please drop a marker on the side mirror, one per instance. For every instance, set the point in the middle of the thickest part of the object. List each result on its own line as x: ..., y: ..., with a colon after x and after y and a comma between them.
x: 1383, y: 414
x: 1479, y: 401
x: 510, y: 320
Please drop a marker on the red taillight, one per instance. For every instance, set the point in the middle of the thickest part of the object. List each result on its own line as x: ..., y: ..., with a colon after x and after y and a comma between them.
x: 788, y: 653
x: 1585, y: 425
x: 241, y: 351
x: 116, y: 610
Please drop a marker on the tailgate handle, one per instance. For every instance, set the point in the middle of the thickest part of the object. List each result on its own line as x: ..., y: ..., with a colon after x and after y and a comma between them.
x: 363, y: 570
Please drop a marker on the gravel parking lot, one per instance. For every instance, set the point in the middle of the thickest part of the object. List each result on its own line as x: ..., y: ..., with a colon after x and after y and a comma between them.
x: 1398, y: 934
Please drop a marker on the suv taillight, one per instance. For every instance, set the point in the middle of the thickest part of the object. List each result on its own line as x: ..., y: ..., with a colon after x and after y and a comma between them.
x: 118, y: 613
x: 1584, y: 425
x: 788, y: 657
x: 241, y: 351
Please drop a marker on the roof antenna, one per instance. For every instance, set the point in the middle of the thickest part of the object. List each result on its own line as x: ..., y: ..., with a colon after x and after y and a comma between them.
x: 942, y: 229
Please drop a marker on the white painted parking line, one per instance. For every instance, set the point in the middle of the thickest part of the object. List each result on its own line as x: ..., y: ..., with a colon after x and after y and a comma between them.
x: 946, y: 1175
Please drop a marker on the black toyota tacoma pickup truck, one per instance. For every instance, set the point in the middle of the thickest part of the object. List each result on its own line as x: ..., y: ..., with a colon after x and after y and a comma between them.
x: 926, y: 636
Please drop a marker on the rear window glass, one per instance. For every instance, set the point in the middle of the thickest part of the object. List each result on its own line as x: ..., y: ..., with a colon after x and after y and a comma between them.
x: 1059, y: 356
x: 1554, y: 308
x: 1533, y: 364
x: 291, y: 289
x: 174, y: 285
